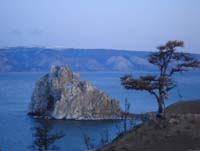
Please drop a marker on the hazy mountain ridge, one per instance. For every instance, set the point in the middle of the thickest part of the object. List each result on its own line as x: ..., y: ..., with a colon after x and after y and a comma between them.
x: 24, y: 59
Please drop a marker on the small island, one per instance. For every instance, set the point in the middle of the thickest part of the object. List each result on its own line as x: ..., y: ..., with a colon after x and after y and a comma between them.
x: 61, y: 94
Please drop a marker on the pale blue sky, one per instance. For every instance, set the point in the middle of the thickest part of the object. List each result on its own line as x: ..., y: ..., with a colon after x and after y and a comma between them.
x: 116, y: 24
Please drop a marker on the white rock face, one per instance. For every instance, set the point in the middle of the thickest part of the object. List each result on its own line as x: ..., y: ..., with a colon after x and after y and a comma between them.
x: 61, y: 94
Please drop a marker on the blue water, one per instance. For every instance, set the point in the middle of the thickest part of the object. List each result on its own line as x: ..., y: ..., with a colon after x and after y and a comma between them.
x: 16, y: 89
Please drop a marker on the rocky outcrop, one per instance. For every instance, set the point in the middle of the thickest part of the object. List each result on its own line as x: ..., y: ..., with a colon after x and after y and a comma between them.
x: 61, y: 94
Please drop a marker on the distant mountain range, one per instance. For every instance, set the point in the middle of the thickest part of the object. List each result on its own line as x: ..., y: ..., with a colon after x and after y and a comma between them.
x: 25, y: 59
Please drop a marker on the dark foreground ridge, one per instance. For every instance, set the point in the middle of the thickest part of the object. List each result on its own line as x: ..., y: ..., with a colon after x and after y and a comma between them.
x: 179, y: 132
x: 61, y: 94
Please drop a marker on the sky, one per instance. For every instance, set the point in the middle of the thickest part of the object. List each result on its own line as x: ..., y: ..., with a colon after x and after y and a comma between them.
x: 110, y: 24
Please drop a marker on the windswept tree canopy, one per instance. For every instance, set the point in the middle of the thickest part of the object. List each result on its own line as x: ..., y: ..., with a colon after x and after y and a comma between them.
x: 168, y: 62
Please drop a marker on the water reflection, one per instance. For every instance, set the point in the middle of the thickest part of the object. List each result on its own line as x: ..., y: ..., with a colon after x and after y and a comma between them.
x: 44, y: 138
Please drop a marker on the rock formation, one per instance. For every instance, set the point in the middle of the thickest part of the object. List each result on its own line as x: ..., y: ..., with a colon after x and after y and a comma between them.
x: 61, y: 94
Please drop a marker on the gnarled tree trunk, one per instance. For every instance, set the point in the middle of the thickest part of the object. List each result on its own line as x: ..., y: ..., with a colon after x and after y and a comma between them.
x: 161, y: 108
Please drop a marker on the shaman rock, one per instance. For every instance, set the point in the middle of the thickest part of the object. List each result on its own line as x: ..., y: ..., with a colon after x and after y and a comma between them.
x: 61, y: 94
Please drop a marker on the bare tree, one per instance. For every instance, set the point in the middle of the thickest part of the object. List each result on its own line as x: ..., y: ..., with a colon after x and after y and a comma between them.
x: 44, y: 139
x: 105, y: 137
x: 92, y: 143
x: 88, y: 141
x: 127, y: 121
x: 168, y: 61
x: 125, y: 114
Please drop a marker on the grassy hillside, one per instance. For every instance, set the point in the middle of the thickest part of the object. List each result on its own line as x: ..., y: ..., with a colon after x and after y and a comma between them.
x: 176, y: 133
x: 184, y: 107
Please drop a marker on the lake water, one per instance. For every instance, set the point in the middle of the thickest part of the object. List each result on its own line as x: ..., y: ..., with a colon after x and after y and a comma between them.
x: 16, y: 89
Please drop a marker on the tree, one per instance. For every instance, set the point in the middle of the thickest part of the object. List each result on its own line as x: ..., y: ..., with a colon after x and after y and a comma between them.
x: 168, y: 61
x: 88, y: 141
x: 44, y: 139
x: 126, y: 114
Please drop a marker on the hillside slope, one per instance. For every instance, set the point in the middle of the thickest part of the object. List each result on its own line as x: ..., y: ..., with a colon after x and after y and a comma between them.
x: 20, y: 59
x: 177, y: 133
x: 34, y: 59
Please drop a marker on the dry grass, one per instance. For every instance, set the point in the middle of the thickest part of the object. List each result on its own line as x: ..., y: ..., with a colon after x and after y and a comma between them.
x: 179, y: 132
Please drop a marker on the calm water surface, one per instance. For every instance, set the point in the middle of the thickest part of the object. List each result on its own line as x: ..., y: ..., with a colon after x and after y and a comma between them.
x: 16, y: 89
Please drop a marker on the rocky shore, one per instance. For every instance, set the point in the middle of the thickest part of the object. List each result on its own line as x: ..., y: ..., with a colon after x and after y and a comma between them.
x: 61, y: 94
